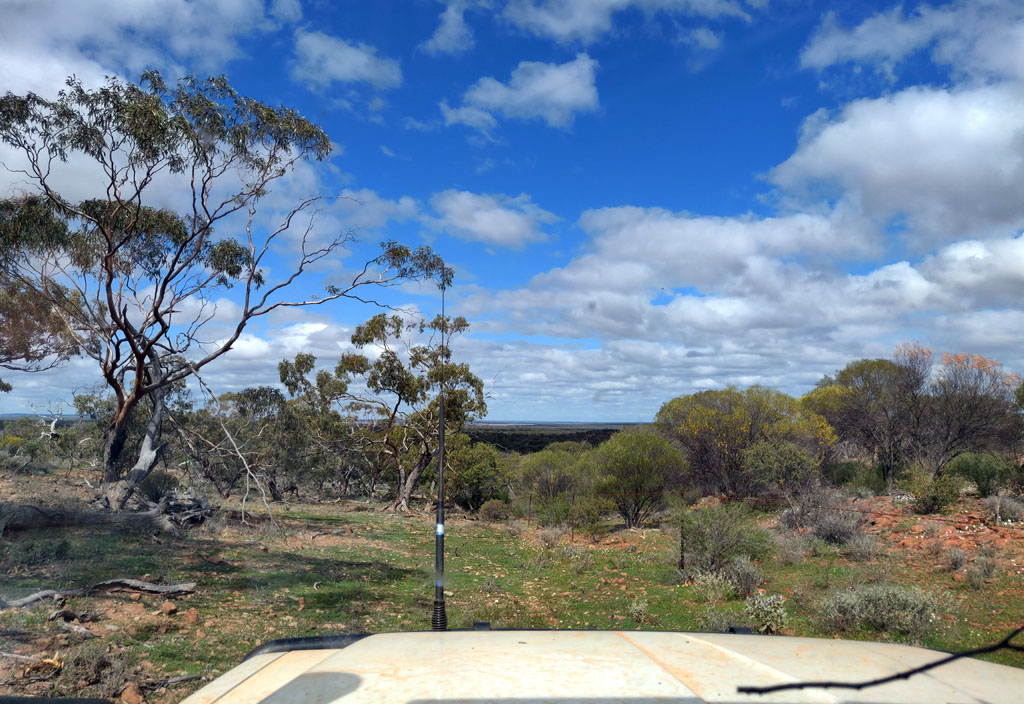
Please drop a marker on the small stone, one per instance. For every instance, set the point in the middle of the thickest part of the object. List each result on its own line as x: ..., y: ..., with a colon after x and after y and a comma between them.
x: 134, y: 597
x: 131, y: 694
x: 168, y: 608
x: 191, y: 616
x: 200, y: 634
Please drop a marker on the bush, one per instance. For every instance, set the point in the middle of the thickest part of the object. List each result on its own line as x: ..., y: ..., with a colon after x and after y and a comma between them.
x: 1004, y: 508
x: 549, y: 537
x: 957, y: 559
x: 983, y: 569
x: 988, y: 472
x: 714, y: 535
x: 835, y: 527
x: 494, y: 510
x: 861, y: 547
x: 638, y: 611
x: 711, y: 587
x: 791, y: 548
x: 551, y: 512
x: 880, y: 607
x: 767, y: 611
x: 744, y: 576
x: 157, y: 485
x: 933, y: 494
x: 589, y: 513
x: 717, y: 621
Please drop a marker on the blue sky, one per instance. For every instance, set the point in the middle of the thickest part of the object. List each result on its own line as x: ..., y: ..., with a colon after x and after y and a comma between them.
x: 641, y: 198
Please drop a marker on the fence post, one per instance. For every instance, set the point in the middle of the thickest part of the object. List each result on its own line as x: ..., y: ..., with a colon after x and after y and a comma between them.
x: 572, y: 519
x: 529, y: 509
x: 682, y: 537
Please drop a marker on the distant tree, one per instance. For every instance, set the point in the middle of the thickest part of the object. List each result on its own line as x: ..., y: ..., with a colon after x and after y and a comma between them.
x: 635, y: 468
x: 396, y: 393
x: 715, y: 427
x: 132, y: 284
x: 909, y: 410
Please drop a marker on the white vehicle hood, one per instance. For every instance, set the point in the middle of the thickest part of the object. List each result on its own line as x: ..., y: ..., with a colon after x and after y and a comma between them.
x: 600, y: 667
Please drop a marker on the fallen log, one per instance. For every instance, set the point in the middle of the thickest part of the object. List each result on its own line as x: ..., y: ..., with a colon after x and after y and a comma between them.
x: 24, y: 517
x: 121, y: 584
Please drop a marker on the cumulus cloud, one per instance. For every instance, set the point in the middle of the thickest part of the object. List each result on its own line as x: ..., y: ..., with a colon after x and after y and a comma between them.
x: 976, y: 38
x: 587, y: 20
x: 452, y: 35
x: 94, y: 38
x: 551, y: 92
x: 493, y: 219
x: 950, y: 161
x: 321, y: 59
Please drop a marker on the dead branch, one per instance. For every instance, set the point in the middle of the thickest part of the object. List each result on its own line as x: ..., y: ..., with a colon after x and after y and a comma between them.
x: 120, y: 584
x: 24, y: 517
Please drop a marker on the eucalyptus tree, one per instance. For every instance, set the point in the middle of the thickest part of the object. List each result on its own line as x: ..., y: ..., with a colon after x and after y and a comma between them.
x: 132, y: 281
x: 395, y: 392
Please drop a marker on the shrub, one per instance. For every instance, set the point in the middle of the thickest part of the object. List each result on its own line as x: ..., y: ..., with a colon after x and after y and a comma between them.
x: 549, y: 537
x: 983, y: 569
x: 638, y: 611
x: 767, y: 611
x: 589, y: 512
x: 711, y: 587
x: 157, y: 485
x: 1004, y: 508
x: 957, y: 559
x: 835, y: 527
x: 988, y: 472
x: 743, y: 575
x: 791, y: 548
x: 861, y: 547
x: 718, y: 621
x: 714, y: 535
x: 494, y: 510
x: 551, y: 512
x: 933, y: 494
x: 880, y: 607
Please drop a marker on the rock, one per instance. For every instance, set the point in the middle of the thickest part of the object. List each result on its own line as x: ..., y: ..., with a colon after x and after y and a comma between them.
x: 168, y: 608
x: 191, y: 616
x: 134, y: 596
x: 131, y: 694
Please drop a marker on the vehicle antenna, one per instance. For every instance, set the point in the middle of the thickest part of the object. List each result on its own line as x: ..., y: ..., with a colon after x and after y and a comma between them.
x: 439, y: 622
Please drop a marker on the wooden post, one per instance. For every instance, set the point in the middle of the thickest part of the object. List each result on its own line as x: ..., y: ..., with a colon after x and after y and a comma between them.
x: 529, y: 508
x: 572, y: 519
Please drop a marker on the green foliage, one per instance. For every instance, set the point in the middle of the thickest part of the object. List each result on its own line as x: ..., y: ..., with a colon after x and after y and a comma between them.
x: 767, y: 611
x: 981, y: 570
x: 494, y: 510
x: 714, y: 428
x: 711, y: 587
x: 933, y: 494
x: 884, y: 608
x: 715, y: 535
x: 988, y: 472
x: 779, y: 467
x: 634, y: 468
x: 475, y: 473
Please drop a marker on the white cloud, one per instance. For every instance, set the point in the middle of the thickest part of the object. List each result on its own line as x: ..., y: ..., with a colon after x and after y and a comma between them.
x: 950, y: 161
x: 552, y: 92
x: 493, y: 219
x: 588, y: 20
x: 452, y: 35
x: 976, y: 38
x: 387, y: 152
x: 321, y: 60
x: 44, y: 41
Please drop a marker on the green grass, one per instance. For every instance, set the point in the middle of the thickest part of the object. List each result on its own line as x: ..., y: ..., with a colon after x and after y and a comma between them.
x: 326, y: 571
